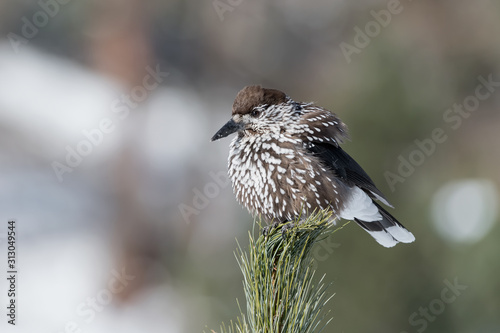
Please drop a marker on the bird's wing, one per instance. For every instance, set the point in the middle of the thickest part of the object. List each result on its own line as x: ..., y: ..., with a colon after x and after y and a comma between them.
x: 346, y: 168
x: 322, y: 134
x: 320, y: 125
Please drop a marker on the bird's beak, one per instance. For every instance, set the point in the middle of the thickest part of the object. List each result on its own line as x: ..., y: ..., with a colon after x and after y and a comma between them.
x: 229, y: 128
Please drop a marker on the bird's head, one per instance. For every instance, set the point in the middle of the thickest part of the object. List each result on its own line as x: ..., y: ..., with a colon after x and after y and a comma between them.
x: 258, y: 111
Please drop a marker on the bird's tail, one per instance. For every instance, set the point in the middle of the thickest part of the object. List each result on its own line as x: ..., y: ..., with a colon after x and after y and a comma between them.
x: 388, y: 231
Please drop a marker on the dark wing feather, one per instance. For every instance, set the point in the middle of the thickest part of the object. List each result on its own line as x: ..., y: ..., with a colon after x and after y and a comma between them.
x: 345, y: 167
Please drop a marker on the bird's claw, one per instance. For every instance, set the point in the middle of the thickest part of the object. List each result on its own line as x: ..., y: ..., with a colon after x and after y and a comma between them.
x: 267, y: 230
x: 286, y: 228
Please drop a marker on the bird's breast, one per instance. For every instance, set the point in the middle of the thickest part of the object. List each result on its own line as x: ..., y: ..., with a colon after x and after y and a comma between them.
x: 276, y: 178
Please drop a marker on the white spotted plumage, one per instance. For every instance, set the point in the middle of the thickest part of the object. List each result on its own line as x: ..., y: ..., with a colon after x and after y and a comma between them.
x: 275, y: 157
x: 286, y: 161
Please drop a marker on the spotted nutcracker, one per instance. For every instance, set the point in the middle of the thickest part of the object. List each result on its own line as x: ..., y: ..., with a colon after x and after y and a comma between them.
x: 286, y: 162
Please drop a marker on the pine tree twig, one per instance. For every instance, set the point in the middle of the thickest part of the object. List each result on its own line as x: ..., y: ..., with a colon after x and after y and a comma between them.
x: 278, y: 280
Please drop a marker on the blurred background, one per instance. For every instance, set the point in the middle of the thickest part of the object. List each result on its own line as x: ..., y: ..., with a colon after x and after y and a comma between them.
x: 126, y: 221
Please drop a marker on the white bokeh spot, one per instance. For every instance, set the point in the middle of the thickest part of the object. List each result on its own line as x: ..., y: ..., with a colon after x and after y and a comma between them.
x: 464, y: 211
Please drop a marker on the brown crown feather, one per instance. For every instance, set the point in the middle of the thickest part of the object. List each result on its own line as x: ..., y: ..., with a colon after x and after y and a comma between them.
x: 252, y: 96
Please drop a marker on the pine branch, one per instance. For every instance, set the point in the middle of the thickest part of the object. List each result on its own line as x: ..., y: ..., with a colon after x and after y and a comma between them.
x: 278, y: 280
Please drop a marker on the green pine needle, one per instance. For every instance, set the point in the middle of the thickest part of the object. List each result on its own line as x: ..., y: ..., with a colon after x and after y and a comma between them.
x: 281, y: 292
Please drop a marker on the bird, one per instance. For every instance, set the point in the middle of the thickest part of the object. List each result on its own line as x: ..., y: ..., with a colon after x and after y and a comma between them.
x: 285, y: 162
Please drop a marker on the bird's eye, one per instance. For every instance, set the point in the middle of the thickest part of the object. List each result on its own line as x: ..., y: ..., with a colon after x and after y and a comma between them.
x: 255, y: 113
